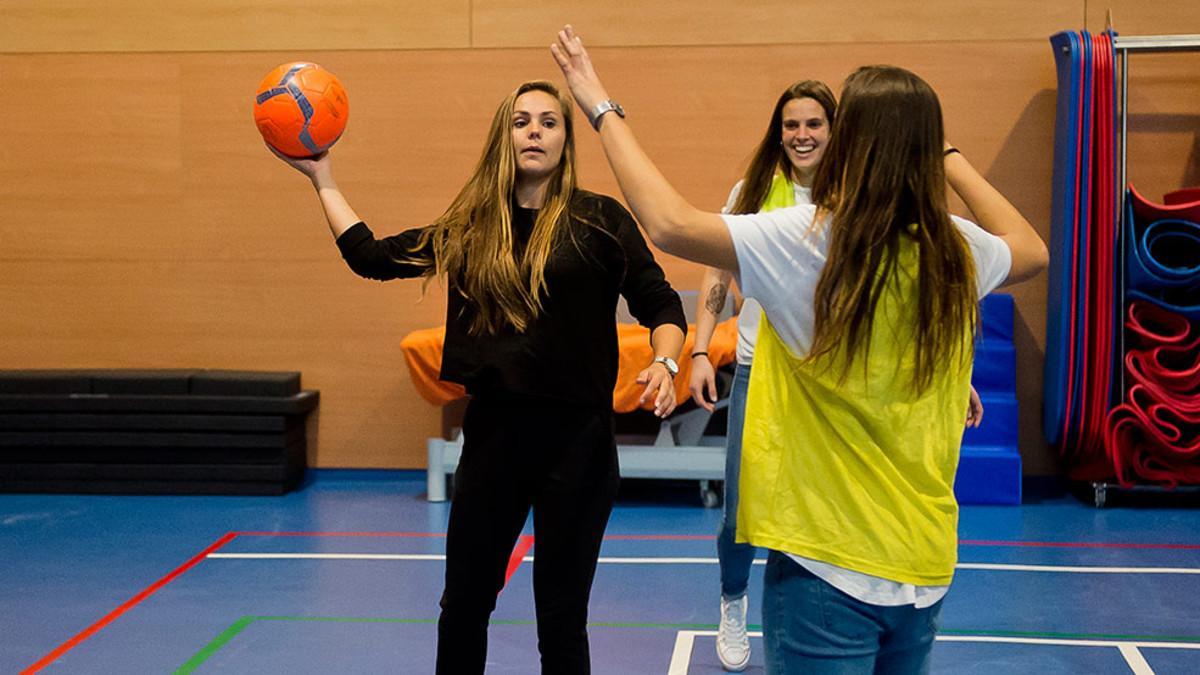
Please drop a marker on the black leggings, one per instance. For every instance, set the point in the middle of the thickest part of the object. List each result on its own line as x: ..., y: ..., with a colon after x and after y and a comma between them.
x: 560, y: 459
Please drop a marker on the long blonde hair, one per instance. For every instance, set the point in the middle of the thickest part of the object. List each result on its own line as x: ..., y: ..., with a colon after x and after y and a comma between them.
x: 769, y: 157
x: 473, y: 242
x: 882, y: 179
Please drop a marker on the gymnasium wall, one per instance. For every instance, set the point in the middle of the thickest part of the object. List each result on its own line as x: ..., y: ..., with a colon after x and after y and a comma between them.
x: 144, y: 224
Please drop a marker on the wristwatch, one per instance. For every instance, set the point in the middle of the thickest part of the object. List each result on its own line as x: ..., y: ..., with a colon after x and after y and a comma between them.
x: 669, y: 364
x: 603, y: 107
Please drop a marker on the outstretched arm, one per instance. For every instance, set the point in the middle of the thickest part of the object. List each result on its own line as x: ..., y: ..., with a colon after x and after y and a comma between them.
x: 393, y: 257
x: 319, y: 170
x: 998, y: 216
x: 670, y: 221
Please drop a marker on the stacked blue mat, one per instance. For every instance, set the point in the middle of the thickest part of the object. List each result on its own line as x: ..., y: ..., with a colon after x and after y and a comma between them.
x: 989, y: 466
x: 1083, y: 301
x: 1154, y: 434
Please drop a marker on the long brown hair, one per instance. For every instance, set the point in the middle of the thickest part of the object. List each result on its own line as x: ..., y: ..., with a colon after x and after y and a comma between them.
x: 473, y: 241
x: 883, y: 179
x: 769, y: 156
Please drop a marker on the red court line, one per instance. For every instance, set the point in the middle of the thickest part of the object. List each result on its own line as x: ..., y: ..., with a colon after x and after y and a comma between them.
x: 709, y: 537
x: 126, y: 606
x: 611, y: 537
x: 514, y: 561
x: 340, y: 534
x: 524, y: 544
x: 1077, y: 544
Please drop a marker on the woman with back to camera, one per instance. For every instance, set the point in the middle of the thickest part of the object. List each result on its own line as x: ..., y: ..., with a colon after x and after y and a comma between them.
x: 861, y: 380
x: 534, y: 268
x: 779, y: 175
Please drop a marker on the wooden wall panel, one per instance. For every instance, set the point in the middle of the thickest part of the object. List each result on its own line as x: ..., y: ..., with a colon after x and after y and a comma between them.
x: 210, y: 253
x: 223, y: 25
x: 98, y: 137
x: 511, y: 23
x: 1164, y: 95
x: 1164, y: 122
x: 230, y: 25
x: 155, y: 230
x: 339, y: 331
x: 1132, y: 17
x: 145, y: 225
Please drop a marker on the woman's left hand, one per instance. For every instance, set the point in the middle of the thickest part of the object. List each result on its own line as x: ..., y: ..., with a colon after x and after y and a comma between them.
x: 974, y: 410
x: 660, y: 386
x: 577, y: 68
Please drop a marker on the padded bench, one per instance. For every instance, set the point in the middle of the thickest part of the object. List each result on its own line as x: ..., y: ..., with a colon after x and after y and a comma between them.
x: 153, y: 431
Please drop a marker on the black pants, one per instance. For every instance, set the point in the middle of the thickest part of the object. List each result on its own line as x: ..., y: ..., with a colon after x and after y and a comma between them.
x: 519, y: 453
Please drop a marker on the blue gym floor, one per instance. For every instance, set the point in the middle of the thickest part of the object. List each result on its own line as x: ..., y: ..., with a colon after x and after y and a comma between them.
x: 343, y: 576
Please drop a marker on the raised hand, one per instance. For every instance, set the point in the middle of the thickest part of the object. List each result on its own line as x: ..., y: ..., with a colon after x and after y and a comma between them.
x: 309, y: 166
x: 577, y: 68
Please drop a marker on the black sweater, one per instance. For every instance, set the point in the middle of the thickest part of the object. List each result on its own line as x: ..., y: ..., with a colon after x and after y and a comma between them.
x: 569, y: 351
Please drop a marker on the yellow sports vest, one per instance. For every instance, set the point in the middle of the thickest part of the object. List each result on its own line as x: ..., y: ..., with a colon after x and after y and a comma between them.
x: 780, y: 195
x: 856, y: 472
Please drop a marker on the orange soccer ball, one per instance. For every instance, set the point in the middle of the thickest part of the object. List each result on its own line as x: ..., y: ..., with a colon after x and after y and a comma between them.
x: 301, y: 109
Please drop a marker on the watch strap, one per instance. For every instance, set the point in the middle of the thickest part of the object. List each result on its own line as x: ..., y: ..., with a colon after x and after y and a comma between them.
x: 601, y: 108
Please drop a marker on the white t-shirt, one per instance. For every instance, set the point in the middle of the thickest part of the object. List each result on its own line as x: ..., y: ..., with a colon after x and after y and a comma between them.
x: 783, y: 245
x: 780, y: 257
x: 747, y: 322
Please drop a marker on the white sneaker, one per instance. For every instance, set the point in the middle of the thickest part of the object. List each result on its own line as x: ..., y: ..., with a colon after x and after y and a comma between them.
x: 733, y: 646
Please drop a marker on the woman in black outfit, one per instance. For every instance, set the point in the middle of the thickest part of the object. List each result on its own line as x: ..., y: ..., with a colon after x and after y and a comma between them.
x: 534, y: 267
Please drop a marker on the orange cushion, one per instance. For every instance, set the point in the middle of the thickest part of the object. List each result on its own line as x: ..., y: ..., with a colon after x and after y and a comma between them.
x: 423, y: 354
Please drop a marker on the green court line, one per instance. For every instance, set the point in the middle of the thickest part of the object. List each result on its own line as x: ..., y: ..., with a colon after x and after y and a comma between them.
x: 241, y: 624
x: 218, y: 642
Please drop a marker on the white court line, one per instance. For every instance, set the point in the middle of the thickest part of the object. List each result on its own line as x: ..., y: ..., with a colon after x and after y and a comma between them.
x: 685, y: 640
x: 998, y: 567
x: 1137, y: 662
x: 1067, y: 642
x: 681, y: 657
x: 1078, y: 569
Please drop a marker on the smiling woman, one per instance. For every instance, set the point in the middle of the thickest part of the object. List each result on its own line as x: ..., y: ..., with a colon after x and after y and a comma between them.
x: 780, y: 175
x: 534, y: 267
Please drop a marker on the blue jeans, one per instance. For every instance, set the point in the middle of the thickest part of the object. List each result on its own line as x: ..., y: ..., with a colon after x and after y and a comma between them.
x: 735, y: 558
x: 811, y: 627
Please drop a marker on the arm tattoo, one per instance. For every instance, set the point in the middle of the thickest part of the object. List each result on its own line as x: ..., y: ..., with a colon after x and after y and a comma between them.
x: 715, y: 302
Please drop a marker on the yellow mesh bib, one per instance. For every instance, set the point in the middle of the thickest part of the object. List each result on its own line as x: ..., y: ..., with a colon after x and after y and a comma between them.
x: 857, y: 471
x: 780, y: 195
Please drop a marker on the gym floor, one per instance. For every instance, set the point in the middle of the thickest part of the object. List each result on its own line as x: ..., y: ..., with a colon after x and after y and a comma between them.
x: 343, y: 575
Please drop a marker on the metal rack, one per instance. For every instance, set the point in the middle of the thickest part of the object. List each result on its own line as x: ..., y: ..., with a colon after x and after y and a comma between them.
x: 1143, y: 44
x: 1140, y: 44
x: 1124, y: 45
